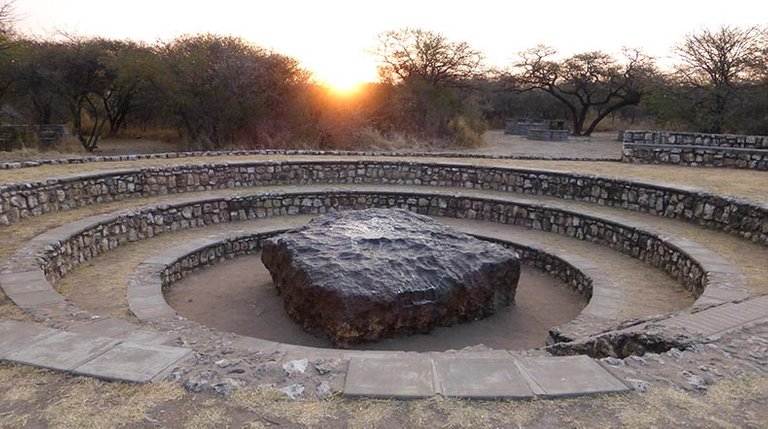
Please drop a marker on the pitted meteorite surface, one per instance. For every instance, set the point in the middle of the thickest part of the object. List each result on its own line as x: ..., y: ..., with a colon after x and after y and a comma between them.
x: 359, y: 276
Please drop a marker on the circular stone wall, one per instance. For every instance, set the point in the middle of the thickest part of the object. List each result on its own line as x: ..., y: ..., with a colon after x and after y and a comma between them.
x: 245, y: 302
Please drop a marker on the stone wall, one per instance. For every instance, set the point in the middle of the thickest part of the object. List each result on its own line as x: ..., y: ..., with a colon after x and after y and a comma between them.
x: 292, y: 152
x: 695, y: 156
x: 696, y: 139
x: 61, y: 257
x: 746, y: 219
x: 696, y: 150
x: 161, y: 271
x: 548, y: 135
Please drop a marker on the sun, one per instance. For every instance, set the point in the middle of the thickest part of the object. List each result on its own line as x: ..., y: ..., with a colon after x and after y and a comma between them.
x: 343, y: 84
x: 345, y: 76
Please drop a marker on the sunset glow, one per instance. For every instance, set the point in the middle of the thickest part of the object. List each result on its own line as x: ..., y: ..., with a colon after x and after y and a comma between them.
x: 334, y: 38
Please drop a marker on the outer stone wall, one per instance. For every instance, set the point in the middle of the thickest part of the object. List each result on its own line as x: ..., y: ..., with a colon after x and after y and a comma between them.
x: 697, y: 150
x: 697, y: 139
x: 744, y: 218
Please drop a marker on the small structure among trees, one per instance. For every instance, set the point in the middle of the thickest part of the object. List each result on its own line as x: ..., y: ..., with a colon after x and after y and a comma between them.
x: 590, y: 83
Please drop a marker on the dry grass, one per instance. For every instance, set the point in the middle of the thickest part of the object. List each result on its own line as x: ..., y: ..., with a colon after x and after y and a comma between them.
x: 458, y: 413
x: 210, y: 415
x: 728, y: 404
x: 86, y: 402
x: 254, y: 399
x: 370, y: 413
x: 13, y: 420
x: 307, y: 413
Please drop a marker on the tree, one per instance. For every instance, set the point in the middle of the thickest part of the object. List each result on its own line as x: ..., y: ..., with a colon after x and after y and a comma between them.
x: 416, y: 54
x: 224, y: 87
x: 716, y: 65
x: 587, y: 83
x: 137, y: 69
x: 7, y: 48
x: 7, y: 19
x: 430, y: 76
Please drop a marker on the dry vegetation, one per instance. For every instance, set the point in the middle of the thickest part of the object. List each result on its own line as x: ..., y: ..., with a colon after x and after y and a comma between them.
x: 44, y: 398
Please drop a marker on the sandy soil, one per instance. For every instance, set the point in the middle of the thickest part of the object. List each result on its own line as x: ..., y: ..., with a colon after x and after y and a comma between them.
x: 238, y: 296
x: 599, y: 145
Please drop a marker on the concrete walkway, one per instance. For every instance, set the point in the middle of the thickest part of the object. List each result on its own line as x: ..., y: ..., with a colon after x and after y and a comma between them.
x: 479, y: 375
x: 106, y: 358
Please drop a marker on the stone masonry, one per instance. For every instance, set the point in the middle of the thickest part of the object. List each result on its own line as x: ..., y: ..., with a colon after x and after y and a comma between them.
x: 744, y: 218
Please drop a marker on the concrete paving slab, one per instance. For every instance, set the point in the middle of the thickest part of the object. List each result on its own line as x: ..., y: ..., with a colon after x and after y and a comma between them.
x: 133, y: 362
x: 38, y: 299
x: 24, y: 282
x: 62, y: 350
x: 104, y: 327
x: 14, y: 335
x: 721, y: 319
x: 150, y: 307
x: 481, y: 378
x: 404, y: 378
x: 568, y: 376
x: 147, y: 336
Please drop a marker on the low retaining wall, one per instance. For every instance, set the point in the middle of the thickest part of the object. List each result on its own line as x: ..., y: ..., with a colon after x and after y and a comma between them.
x: 161, y: 271
x: 291, y: 152
x: 695, y: 156
x: 696, y: 150
x: 696, y: 139
x: 746, y: 219
x: 707, y: 275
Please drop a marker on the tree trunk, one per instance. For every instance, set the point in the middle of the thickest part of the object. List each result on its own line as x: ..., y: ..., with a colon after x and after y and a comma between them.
x: 578, y: 121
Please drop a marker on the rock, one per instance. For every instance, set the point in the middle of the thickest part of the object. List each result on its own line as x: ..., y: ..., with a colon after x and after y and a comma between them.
x: 638, y: 385
x: 614, y: 361
x: 360, y: 276
x: 675, y: 353
x: 323, y: 390
x: 329, y: 367
x: 694, y: 380
x: 295, y: 367
x: 224, y: 363
x: 199, y: 382
x: 227, y: 386
x: 294, y: 391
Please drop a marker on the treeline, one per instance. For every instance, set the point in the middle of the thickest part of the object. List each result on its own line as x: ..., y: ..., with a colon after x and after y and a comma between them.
x: 216, y: 91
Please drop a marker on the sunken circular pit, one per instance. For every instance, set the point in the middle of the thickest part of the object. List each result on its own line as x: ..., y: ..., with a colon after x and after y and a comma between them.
x: 489, y: 203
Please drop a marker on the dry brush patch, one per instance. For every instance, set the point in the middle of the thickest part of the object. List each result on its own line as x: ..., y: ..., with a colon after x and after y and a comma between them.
x: 86, y: 402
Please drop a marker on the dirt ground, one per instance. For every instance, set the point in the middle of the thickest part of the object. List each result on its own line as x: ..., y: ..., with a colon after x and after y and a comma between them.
x: 239, y: 296
x: 721, y: 384
x: 599, y: 145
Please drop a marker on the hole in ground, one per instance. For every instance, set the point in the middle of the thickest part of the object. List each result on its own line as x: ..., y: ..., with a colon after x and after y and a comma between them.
x: 238, y: 296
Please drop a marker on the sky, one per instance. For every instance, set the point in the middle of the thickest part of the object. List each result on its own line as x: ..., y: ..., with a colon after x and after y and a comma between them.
x: 334, y: 38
